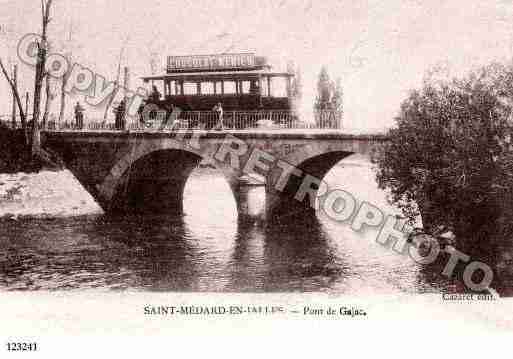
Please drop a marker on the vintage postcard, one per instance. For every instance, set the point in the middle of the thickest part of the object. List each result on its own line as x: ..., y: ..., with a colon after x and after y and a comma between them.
x: 291, y: 176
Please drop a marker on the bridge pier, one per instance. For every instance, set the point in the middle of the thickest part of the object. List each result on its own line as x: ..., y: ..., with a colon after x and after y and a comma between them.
x: 283, y: 205
x: 243, y: 199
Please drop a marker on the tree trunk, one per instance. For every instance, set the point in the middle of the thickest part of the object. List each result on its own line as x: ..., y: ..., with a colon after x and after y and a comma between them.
x: 48, y: 101
x: 15, y: 83
x: 16, y: 95
x: 35, y: 145
x: 25, y: 125
x: 40, y: 74
x: 63, y: 99
x: 111, y: 98
x: 69, y: 56
x: 126, y: 84
x: 27, y: 101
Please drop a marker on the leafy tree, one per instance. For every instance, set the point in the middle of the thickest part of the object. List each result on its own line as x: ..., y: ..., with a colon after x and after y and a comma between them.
x: 297, y: 85
x: 330, y: 94
x: 337, y: 99
x: 324, y: 91
x: 448, y: 159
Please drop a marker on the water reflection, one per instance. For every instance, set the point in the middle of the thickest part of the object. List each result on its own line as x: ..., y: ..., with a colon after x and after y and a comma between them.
x: 160, y: 253
x: 210, y: 249
x: 301, y: 257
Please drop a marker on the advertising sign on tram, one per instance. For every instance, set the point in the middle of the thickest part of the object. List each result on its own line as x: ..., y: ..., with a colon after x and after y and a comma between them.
x: 210, y: 62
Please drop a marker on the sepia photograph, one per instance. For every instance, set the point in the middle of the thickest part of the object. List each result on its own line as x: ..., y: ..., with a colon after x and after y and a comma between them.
x: 288, y: 168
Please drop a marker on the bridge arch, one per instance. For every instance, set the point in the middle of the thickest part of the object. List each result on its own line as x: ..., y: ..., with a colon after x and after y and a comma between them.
x: 152, y: 177
x: 314, y: 161
x: 103, y: 161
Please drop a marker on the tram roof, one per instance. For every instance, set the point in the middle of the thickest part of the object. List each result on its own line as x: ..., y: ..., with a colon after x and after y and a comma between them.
x: 216, y: 75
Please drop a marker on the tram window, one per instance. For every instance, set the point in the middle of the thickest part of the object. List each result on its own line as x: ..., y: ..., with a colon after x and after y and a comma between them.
x: 253, y: 89
x: 219, y: 87
x: 264, y: 87
x: 279, y: 87
x: 229, y: 88
x: 190, y: 88
x: 207, y: 88
x: 245, y: 87
x: 159, y: 86
x: 174, y: 90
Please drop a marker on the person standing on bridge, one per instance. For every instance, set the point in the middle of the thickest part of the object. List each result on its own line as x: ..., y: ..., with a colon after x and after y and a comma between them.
x: 172, y: 114
x: 218, y: 109
x: 79, y: 116
x: 119, y: 112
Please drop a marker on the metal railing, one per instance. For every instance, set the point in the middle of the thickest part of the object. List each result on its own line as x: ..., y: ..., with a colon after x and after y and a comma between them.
x: 328, y: 119
x: 239, y: 119
x: 6, y: 120
x: 207, y: 120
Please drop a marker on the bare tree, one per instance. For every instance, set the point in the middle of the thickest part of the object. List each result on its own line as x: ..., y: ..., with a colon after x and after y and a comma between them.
x: 49, y: 96
x: 27, y: 101
x: 111, y: 98
x: 14, y: 106
x: 14, y: 90
x: 13, y: 84
x: 63, y: 98
x: 40, y: 74
x: 64, y: 81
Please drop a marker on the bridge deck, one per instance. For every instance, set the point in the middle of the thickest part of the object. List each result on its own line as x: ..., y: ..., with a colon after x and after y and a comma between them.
x: 320, y: 134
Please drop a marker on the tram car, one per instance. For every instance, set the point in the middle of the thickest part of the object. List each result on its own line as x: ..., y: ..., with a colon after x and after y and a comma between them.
x: 243, y: 85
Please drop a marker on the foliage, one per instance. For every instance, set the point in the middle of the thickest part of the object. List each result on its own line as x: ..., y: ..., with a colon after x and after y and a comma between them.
x: 323, y: 100
x: 337, y: 98
x: 329, y: 93
x: 297, y: 85
x: 449, y: 158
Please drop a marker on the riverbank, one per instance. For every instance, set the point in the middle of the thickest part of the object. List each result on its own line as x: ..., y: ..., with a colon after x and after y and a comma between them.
x: 16, y: 154
x: 45, y: 194
x: 13, y: 150
x: 56, y: 194
x: 37, y: 186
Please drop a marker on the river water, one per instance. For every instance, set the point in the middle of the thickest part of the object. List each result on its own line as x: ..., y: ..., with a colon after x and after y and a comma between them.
x: 209, y: 249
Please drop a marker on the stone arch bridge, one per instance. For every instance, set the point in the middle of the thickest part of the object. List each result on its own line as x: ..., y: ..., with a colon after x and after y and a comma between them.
x: 147, y: 171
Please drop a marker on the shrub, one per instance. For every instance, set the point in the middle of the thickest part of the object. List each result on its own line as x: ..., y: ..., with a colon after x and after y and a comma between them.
x: 448, y: 158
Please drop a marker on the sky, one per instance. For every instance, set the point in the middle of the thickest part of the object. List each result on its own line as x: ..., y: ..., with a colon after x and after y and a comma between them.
x: 379, y: 49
